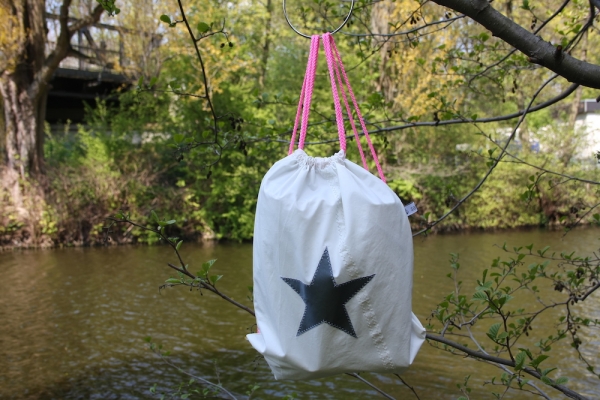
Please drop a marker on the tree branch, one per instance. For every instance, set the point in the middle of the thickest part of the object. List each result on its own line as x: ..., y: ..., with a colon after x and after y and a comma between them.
x: 91, y: 19
x: 510, y: 53
x: 77, y: 54
x: 506, y: 117
x: 538, y: 50
x: 498, y: 360
x: 63, y: 45
x: 363, y: 380
x: 492, y: 167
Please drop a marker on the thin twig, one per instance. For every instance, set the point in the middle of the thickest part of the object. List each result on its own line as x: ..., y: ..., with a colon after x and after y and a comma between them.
x: 492, y: 167
x: 207, y: 382
x: 408, y: 386
x: 366, y: 382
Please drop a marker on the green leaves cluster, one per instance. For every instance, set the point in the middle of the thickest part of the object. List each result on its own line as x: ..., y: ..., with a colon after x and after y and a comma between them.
x: 110, y: 7
x: 491, y: 308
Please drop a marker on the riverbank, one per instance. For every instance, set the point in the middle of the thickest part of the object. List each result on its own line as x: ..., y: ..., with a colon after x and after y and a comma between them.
x: 89, y: 178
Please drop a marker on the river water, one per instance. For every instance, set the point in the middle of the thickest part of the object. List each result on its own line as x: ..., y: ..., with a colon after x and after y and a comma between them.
x: 73, y: 323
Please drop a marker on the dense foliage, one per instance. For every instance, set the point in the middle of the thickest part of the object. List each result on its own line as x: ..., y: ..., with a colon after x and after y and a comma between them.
x: 147, y: 153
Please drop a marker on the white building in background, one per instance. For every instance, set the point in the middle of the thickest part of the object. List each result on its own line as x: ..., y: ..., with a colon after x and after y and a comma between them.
x: 585, y: 138
x: 588, y: 123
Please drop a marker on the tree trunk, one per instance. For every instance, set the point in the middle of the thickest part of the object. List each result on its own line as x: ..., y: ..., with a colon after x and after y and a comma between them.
x: 380, y: 15
x: 20, y: 97
x: 22, y: 125
x: 266, y: 46
x: 24, y: 87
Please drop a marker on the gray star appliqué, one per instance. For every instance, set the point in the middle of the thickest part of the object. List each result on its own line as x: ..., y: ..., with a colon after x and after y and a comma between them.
x: 325, y: 300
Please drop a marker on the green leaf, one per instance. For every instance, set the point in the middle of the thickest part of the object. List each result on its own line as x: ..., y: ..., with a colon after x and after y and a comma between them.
x: 203, y: 27
x: 206, y: 266
x: 170, y: 222
x: 520, y: 360
x: 542, y: 251
x: 480, y: 295
x: 493, y: 332
x: 178, y: 245
x: 546, y: 380
x: 165, y: 18
x: 173, y: 280
x: 154, y: 216
x: 538, y: 360
x: 215, y: 278
x: 562, y: 380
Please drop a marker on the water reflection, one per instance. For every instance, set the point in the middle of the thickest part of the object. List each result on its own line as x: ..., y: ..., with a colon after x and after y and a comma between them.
x: 74, y: 320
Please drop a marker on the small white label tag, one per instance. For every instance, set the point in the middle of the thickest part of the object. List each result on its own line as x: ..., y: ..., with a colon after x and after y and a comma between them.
x: 410, y: 208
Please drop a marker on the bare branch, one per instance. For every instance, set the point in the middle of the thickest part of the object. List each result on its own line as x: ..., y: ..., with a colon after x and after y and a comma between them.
x: 408, y: 386
x: 538, y: 50
x: 510, y: 53
x: 506, y: 117
x: 204, y: 76
x: 447, y: 23
x: 63, y: 45
x: 205, y: 381
x: 492, y: 167
x: 87, y: 21
x: 77, y: 54
x: 363, y: 380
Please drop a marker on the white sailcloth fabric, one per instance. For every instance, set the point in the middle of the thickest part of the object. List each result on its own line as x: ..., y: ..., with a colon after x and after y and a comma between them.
x: 333, y: 260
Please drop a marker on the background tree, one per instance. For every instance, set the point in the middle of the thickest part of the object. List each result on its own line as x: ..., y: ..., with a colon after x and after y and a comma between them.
x: 24, y: 75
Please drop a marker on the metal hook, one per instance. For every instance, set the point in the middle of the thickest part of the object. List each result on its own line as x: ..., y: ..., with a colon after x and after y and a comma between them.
x: 308, y: 37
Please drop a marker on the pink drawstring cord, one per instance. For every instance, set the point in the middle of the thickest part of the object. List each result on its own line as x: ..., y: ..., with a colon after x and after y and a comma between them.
x: 358, y: 114
x: 337, y: 73
x: 327, y: 45
x: 313, y: 52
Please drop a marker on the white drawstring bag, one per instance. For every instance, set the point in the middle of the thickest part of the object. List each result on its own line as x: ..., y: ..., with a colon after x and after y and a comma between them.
x: 333, y: 258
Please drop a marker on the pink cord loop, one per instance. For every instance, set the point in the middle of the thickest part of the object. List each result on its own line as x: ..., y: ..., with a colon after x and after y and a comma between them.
x: 327, y: 44
x: 307, y: 89
x: 338, y: 61
x: 339, y: 117
x: 310, y: 84
x: 337, y: 76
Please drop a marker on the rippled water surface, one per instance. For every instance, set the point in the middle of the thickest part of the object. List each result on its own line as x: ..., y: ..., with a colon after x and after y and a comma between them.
x: 73, y: 323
